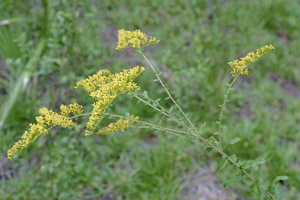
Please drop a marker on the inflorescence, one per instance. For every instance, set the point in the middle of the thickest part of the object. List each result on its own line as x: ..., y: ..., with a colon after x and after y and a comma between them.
x: 135, y: 39
x: 104, y: 87
x: 121, y: 124
x: 47, y: 119
x: 240, y: 66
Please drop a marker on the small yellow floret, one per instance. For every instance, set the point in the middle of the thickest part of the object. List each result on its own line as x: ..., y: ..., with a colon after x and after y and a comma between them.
x: 240, y: 66
x: 121, y: 124
x: 135, y: 39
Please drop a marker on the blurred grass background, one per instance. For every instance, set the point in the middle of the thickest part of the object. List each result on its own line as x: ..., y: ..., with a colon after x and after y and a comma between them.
x: 47, y: 46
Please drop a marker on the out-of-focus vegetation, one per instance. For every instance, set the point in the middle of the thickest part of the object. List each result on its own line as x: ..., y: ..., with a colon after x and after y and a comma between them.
x: 47, y: 46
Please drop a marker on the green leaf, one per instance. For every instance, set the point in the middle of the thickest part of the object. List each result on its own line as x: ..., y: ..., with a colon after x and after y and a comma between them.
x: 232, y: 180
x: 254, y: 164
x: 211, y: 140
x: 224, y: 163
x: 157, y: 100
x: 280, y: 178
x: 202, y: 128
x: 145, y: 93
x: 171, y: 109
x: 273, y: 187
x: 235, y: 140
x: 233, y: 158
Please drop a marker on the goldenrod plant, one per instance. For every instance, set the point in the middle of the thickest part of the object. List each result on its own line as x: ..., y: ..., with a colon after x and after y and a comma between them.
x: 104, y: 87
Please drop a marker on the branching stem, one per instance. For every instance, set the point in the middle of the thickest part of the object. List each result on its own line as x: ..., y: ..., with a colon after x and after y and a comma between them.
x: 167, y: 91
x: 190, y: 132
x: 163, y: 111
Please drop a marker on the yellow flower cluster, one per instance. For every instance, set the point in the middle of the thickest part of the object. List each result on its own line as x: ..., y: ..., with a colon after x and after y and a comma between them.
x: 97, y: 113
x: 135, y: 39
x: 47, y: 118
x: 121, y: 124
x: 105, y: 87
x: 95, y: 81
x: 240, y: 66
x: 73, y: 108
x: 52, y: 118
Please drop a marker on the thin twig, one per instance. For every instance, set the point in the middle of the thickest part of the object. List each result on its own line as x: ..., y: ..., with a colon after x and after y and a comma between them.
x: 148, y: 123
x: 167, y: 91
x: 223, y: 107
x: 163, y: 110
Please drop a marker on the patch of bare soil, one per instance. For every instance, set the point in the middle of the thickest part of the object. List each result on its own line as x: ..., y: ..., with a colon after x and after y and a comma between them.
x: 5, y: 172
x: 291, y: 89
x: 204, y: 185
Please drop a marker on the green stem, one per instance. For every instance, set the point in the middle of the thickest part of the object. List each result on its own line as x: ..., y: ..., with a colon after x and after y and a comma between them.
x: 167, y: 131
x: 148, y: 123
x: 223, y: 107
x: 80, y: 115
x: 164, y: 111
x: 157, y: 109
x: 167, y: 91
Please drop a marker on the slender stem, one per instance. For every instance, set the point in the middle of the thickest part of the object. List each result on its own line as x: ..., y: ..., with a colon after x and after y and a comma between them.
x: 163, y: 110
x: 167, y: 91
x: 80, y: 115
x: 148, y: 123
x: 51, y: 127
x: 167, y: 131
x: 223, y: 107
x: 166, y: 112
x: 143, y: 122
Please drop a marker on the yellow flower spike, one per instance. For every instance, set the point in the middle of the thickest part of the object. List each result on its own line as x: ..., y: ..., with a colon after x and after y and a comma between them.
x: 240, y: 66
x: 18, y: 146
x: 95, y: 81
x: 97, y: 114
x: 35, y: 131
x: 47, y: 118
x: 135, y: 39
x: 104, y: 83
x: 106, y: 91
x: 121, y: 125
